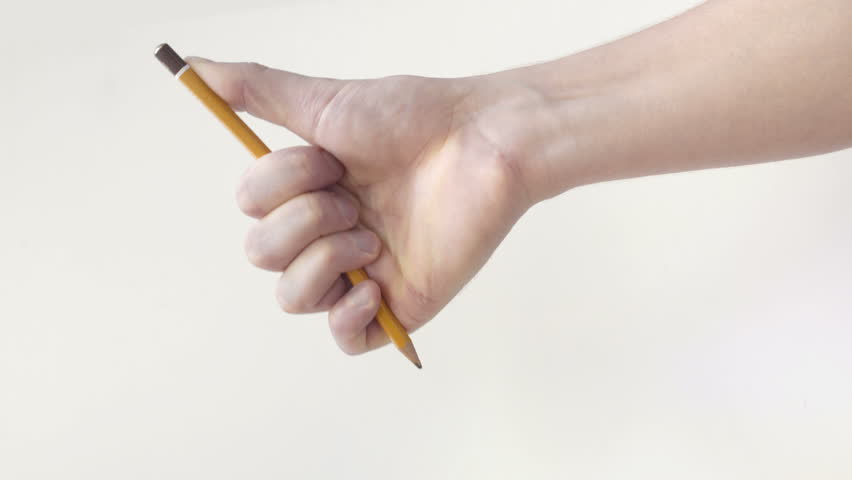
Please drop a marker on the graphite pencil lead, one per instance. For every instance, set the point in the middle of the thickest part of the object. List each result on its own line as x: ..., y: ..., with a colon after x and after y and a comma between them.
x: 411, y: 354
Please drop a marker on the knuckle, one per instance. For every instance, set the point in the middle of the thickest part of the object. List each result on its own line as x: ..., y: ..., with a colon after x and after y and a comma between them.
x: 314, y: 208
x: 345, y: 345
x: 284, y: 295
x: 256, y: 253
x: 316, y: 166
x: 349, y: 350
x: 328, y: 255
x: 246, y: 201
x: 302, y: 164
x: 323, y: 212
x: 341, y: 213
x: 350, y: 221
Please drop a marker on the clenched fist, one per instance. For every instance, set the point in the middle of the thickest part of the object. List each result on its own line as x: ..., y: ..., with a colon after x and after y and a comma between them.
x: 404, y: 176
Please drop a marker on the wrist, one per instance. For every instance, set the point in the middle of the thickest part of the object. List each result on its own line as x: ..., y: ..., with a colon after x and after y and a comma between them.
x: 577, y: 124
x: 575, y: 121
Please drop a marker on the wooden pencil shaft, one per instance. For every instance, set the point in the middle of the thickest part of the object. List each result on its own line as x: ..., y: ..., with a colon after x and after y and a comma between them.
x: 387, y: 320
x: 223, y: 112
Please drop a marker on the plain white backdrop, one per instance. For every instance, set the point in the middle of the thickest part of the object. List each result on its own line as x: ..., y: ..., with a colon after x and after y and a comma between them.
x: 685, y: 326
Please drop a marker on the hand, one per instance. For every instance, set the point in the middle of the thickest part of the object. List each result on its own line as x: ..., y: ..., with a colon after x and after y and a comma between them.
x: 440, y: 169
x: 405, y: 176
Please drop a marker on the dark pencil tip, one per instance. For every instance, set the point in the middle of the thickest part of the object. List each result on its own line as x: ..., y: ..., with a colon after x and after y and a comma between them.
x: 411, y: 354
x: 169, y: 58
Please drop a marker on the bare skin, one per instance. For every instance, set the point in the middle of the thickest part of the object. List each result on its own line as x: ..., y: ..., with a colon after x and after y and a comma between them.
x: 419, y: 179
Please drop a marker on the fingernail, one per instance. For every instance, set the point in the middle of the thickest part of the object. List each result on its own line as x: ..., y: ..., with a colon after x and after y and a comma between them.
x: 347, y: 209
x: 192, y: 59
x: 366, y: 241
x: 329, y: 156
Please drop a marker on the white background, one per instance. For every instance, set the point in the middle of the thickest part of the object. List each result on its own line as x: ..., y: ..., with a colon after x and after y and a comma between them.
x: 686, y: 326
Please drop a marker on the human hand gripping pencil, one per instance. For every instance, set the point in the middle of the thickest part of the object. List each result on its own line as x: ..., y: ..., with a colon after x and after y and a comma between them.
x: 417, y: 180
x: 186, y: 75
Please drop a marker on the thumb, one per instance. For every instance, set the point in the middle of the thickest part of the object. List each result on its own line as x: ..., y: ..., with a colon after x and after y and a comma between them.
x: 293, y: 101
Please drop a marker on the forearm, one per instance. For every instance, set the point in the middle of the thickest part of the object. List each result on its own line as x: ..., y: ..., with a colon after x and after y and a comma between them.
x: 728, y: 83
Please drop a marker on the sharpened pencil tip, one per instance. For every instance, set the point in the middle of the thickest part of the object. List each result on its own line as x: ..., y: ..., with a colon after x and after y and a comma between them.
x: 411, y: 354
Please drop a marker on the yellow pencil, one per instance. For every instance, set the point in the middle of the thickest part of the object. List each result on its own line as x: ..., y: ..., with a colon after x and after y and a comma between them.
x: 183, y: 72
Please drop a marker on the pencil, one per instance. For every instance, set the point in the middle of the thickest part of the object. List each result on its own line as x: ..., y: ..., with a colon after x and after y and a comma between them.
x: 183, y: 72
